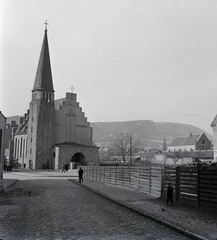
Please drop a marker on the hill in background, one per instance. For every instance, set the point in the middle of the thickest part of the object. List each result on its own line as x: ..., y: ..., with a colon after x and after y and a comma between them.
x: 145, y: 133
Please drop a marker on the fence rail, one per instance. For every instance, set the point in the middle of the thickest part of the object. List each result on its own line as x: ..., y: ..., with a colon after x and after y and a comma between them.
x: 146, y: 180
x: 192, y: 185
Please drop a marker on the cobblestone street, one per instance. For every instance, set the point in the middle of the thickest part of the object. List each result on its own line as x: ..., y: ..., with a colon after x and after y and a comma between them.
x: 59, y: 209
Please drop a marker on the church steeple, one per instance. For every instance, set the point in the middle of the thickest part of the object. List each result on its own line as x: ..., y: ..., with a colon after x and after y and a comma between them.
x: 43, y: 79
x: 41, y: 125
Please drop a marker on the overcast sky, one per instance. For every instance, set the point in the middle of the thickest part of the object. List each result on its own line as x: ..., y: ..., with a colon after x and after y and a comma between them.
x: 127, y: 59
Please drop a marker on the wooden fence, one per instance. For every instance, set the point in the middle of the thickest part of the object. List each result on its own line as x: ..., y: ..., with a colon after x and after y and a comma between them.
x: 207, y: 186
x: 192, y: 185
x: 146, y: 180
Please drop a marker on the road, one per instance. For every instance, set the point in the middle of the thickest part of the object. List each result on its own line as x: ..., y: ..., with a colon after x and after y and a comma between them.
x: 59, y: 209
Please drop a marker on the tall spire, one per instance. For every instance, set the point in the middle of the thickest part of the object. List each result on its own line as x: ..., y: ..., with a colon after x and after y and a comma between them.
x: 43, y: 79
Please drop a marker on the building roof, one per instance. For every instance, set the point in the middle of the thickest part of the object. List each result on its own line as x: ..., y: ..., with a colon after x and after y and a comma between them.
x: 43, y: 79
x: 2, y: 115
x: 184, y: 141
x: 214, y: 122
x: 59, y: 102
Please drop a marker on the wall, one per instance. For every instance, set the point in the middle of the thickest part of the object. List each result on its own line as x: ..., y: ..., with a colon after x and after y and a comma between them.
x: 2, y: 134
x: 183, y: 148
x: 41, y: 131
x: 71, y: 125
x: 203, y: 146
x: 64, y: 154
x: 214, y: 129
x: 20, y: 148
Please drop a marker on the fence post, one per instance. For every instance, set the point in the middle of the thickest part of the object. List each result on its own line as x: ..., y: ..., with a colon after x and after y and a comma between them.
x: 198, y: 185
x: 110, y: 175
x: 177, y: 183
x: 99, y: 174
x: 150, y: 180
x: 162, y: 180
x: 138, y: 178
x: 122, y: 175
x: 115, y: 174
x: 129, y: 176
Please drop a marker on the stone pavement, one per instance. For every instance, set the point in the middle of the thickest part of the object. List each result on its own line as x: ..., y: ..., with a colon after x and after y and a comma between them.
x: 192, y: 221
x: 57, y: 209
x: 198, y: 223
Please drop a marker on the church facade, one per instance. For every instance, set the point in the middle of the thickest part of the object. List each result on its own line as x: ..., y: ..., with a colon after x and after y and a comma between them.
x: 52, y: 133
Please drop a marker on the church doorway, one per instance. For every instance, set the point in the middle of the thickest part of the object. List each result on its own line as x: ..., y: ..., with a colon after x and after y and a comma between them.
x: 77, y: 159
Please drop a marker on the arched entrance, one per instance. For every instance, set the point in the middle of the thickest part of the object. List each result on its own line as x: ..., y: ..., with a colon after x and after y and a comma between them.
x: 78, y: 159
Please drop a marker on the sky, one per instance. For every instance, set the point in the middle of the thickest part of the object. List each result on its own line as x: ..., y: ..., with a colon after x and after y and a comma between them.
x: 126, y: 59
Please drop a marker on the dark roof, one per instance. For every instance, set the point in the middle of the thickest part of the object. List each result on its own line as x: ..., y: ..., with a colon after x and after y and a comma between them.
x: 183, y: 141
x: 43, y: 79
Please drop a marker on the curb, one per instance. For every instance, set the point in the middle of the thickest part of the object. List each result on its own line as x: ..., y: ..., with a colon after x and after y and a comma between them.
x: 165, y: 223
x: 15, y: 181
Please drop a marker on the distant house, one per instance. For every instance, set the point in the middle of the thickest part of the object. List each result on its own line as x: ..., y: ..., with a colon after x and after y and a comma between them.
x: 190, y: 143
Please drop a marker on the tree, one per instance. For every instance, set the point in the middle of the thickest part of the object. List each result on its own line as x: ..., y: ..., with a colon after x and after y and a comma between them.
x: 122, y: 145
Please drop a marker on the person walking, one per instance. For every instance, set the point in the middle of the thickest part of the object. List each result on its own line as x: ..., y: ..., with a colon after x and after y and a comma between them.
x: 63, y: 168
x: 80, y: 175
x: 170, y: 194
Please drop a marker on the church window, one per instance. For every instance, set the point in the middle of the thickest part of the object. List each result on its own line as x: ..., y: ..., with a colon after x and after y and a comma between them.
x: 203, y: 141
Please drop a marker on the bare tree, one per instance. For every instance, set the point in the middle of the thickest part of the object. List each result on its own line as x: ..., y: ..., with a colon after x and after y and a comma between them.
x: 122, y: 145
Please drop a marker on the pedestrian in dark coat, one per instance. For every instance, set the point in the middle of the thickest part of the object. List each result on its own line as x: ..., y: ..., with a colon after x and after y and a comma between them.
x: 80, y: 175
x: 63, y: 168
x: 170, y: 194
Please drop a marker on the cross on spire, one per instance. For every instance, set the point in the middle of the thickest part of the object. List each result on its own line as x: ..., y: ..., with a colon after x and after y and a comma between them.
x: 72, y: 88
x: 46, y: 23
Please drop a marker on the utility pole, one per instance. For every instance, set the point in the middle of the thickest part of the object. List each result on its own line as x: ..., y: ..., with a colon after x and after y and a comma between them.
x: 130, y: 149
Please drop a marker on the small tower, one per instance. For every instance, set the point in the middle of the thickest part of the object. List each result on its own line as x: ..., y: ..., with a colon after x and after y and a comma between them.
x: 164, y: 147
x: 42, y: 112
x: 214, y: 128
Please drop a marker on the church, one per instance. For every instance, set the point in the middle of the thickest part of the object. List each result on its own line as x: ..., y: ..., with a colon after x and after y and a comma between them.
x: 53, y: 132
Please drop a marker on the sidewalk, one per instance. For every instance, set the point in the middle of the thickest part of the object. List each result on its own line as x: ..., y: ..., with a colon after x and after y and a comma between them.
x: 10, y: 178
x: 192, y: 221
